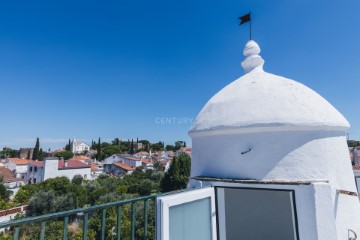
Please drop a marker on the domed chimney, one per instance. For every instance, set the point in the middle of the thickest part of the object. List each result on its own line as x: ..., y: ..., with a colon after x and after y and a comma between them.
x: 267, y: 129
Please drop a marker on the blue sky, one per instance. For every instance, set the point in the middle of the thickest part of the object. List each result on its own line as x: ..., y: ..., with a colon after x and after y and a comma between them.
x: 132, y: 68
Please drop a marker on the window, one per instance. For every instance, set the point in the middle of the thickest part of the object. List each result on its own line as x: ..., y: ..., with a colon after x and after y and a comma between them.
x: 85, y: 176
x: 187, y: 215
x: 30, y: 169
x: 256, y: 214
x: 34, y: 180
x: 35, y: 169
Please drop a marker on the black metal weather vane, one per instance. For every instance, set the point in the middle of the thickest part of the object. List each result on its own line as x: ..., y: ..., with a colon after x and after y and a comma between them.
x: 244, y: 19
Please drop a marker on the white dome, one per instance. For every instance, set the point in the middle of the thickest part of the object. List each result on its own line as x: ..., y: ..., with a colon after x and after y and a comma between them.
x: 260, y: 101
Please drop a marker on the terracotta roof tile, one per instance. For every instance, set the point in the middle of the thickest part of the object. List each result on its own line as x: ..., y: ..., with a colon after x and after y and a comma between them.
x: 124, y: 166
x: 6, y: 174
x: 143, y: 153
x: 38, y: 163
x: 19, y: 161
x: 134, y: 159
x: 81, y: 157
x: 72, y: 164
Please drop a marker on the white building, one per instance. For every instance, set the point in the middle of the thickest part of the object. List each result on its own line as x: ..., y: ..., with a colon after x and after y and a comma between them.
x: 18, y: 166
x: 53, y: 167
x: 79, y: 146
x: 273, y: 154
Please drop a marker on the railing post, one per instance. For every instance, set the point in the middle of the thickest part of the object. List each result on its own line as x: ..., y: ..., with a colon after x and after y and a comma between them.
x: 17, y: 233
x: 103, y: 223
x: 85, y: 225
x: 42, y: 233
x: 65, y: 227
x: 118, y: 223
x: 145, y: 220
x: 133, y: 220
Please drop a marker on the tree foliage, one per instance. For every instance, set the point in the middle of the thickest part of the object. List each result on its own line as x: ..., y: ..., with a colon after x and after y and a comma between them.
x: 99, y: 153
x: 177, y: 176
x: 8, y: 152
x: 4, y: 192
x: 36, y: 151
x: 66, y: 155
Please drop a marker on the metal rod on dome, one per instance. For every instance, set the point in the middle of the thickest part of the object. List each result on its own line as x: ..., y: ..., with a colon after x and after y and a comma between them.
x: 244, y: 19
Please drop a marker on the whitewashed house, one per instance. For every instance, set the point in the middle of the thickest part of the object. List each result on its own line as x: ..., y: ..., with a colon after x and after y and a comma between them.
x: 18, y: 166
x: 53, y: 167
x: 79, y: 146
x: 271, y: 160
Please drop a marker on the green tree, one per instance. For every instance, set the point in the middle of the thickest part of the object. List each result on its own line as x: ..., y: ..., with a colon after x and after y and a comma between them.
x: 41, y: 155
x: 177, y: 176
x: 68, y: 146
x: 112, y: 149
x: 66, y: 155
x: 132, y: 151
x: 8, y: 152
x: 116, y: 142
x: 4, y: 192
x: 99, y: 154
x: 170, y: 147
x: 35, y: 155
x: 77, y: 179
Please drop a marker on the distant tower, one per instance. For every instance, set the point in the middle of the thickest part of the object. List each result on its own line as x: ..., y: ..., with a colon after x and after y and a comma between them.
x: 73, y: 147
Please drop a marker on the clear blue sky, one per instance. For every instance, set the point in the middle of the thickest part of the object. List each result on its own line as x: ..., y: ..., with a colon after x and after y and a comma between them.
x: 111, y: 69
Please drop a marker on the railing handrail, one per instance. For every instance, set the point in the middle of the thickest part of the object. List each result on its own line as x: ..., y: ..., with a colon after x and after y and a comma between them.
x: 74, y: 211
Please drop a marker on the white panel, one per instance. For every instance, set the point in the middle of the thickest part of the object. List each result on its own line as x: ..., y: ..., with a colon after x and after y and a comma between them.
x: 180, y: 206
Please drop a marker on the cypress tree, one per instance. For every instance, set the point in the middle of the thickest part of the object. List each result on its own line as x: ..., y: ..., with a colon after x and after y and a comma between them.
x: 68, y: 146
x: 98, y: 155
x: 36, y: 150
x: 41, y: 155
x: 132, y: 147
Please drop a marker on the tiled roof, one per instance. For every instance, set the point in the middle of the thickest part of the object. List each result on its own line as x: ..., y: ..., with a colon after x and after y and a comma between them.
x: 72, y: 164
x: 94, y: 168
x: 133, y: 159
x: 81, y: 157
x: 124, y: 166
x: 59, y: 150
x: 19, y: 161
x: 143, y: 153
x: 147, y: 161
x: 38, y: 163
x: 6, y: 174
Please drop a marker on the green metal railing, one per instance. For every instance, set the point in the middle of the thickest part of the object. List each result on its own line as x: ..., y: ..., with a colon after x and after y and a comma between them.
x: 86, y: 213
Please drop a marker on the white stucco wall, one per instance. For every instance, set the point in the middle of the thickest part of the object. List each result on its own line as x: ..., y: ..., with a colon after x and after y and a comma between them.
x: 132, y: 163
x: 51, y: 170
x: 267, y: 127
x: 38, y: 174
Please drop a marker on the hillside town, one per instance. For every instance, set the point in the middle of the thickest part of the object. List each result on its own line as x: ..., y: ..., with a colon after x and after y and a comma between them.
x: 29, y: 166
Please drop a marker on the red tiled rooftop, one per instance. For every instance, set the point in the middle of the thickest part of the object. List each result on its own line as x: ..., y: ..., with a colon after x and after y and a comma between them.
x: 59, y: 150
x: 6, y: 174
x: 124, y: 166
x: 72, y: 164
x: 143, y: 153
x: 19, y: 161
x: 144, y: 160
x: 94, y: 167
x: 134, y: 159
x: 81, y: 157
x: 38, y: 163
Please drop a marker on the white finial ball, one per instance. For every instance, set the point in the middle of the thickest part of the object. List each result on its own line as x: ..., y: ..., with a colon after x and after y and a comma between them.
x: 251, y: 48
